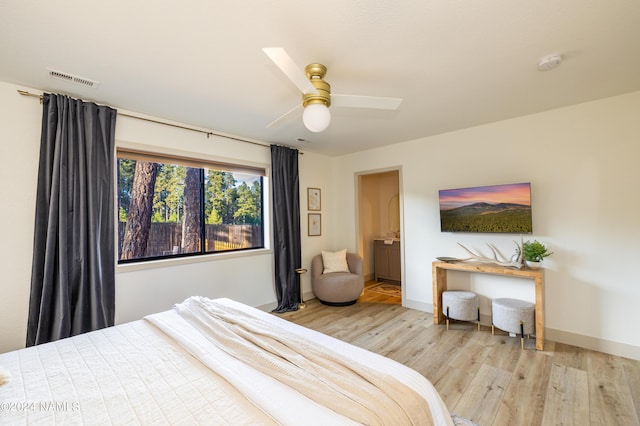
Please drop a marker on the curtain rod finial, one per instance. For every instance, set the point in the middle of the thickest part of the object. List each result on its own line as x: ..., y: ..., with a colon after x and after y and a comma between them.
x: 25, y: 93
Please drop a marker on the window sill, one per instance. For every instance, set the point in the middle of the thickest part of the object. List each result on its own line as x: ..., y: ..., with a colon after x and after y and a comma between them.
x: 164, y: 263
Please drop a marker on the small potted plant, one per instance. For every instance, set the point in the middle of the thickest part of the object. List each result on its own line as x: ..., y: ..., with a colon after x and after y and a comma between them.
x: 534, y: 253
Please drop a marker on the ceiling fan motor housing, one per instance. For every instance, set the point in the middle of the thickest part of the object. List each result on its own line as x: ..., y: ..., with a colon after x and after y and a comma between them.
x: 316, y: 93
x: 315, y: 74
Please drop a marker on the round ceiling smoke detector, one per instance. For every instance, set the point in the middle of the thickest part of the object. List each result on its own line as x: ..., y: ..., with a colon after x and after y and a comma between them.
x: 549, y: 62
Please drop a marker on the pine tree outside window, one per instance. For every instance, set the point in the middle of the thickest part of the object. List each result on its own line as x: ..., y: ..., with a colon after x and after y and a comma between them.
x: 176, y: 207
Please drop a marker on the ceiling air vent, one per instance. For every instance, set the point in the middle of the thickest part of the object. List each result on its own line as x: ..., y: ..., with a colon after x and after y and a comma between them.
x: 81, y: 81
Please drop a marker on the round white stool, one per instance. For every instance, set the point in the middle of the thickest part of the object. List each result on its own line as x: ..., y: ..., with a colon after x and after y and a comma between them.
x: 461, y: 305
x: 513, y: 316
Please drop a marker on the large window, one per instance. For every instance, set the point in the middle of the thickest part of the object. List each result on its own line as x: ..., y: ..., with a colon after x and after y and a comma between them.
x: 174, y: 207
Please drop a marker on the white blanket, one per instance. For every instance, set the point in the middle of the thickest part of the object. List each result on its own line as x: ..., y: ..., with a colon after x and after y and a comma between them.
x: 131, y: 374
x: 350, y: 388
x: 137, y: 374
x: 391, y: 388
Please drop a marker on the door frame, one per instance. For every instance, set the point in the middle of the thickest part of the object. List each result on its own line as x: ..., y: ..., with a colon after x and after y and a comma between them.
x: 360, y: 243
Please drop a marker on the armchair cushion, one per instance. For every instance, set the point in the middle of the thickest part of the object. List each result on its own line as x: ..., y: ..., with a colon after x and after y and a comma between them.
x: 335, y: 261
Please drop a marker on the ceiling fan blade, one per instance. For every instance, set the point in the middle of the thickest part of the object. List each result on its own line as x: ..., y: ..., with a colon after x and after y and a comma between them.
x: 290, y: 69
x: 374, y: 102
x: 284, y: 116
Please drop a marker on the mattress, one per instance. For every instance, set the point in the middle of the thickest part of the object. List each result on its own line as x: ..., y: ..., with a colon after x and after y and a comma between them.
x: 168, y: 369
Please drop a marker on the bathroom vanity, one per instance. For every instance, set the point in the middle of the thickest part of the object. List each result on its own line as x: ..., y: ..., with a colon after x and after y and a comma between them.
x: 386, y: 259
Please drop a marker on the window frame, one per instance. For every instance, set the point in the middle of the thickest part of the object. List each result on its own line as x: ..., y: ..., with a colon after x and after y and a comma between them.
x: 203, y: 163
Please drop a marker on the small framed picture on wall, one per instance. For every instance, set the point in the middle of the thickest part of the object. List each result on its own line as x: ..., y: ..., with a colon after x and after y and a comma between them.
x: 315, y: 225
x: 313, y: 199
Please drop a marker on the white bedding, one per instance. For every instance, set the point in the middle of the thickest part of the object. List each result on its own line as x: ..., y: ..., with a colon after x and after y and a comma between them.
x: 163, y: 370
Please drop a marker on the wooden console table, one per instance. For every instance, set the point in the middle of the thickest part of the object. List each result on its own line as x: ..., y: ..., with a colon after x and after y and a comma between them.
x: 440, y: 285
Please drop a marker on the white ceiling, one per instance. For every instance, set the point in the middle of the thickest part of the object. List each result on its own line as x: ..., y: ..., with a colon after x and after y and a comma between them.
x: 455, y: 63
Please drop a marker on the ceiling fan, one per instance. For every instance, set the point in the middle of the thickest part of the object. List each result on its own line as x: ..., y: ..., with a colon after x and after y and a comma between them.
x: 316, y: 93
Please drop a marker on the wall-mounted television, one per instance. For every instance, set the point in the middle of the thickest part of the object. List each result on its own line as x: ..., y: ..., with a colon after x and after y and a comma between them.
x: 495, y: 208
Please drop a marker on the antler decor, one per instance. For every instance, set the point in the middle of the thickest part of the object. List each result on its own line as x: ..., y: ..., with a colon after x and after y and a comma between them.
x: 502, y: 261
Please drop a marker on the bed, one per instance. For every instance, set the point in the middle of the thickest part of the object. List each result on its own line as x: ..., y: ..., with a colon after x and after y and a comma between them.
x: 212, y: 361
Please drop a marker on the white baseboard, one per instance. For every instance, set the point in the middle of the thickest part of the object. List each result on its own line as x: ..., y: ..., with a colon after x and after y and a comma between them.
x: 271, y: 306
x: 420, y: 306
x: 268, y: 307
x: 560, y: 336
x: 582, y: 341
x: 593, y: 343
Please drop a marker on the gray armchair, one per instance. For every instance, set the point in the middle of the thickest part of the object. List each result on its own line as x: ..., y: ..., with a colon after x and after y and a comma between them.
x: 338, y: 288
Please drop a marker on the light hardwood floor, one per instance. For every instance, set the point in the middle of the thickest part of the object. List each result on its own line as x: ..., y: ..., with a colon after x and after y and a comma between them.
x: 486, y: 378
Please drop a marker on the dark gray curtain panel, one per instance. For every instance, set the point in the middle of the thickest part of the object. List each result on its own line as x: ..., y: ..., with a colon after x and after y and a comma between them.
x: 286, y: 226
x: 72, y: 277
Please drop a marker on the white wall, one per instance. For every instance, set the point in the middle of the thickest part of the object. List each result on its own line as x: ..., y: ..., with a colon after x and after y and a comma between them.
x: 582, y: 164
x: 149, y: 287
x: 245, y: 277
x: 315, y: 172
x: 20, y: 120
x: 581, y: 161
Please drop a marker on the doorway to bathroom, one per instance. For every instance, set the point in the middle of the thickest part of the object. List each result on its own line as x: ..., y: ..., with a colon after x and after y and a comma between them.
x: 380, y: 231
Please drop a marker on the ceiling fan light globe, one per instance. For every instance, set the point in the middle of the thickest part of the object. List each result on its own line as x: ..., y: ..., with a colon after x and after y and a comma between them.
x: 316, y: 117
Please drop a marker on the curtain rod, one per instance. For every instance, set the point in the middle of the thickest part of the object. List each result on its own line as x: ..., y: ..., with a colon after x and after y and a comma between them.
x: 193, y: 129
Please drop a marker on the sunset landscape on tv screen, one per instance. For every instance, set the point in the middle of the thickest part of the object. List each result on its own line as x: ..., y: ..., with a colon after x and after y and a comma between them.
x: 496, y: 208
